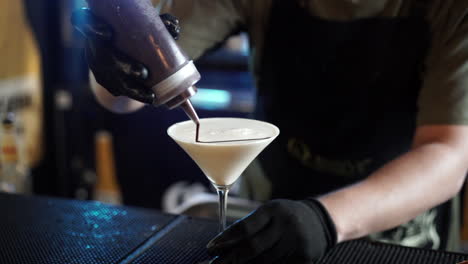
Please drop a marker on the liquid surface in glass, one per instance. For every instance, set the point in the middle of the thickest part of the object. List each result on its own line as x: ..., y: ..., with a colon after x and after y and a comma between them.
x: 230, y: 147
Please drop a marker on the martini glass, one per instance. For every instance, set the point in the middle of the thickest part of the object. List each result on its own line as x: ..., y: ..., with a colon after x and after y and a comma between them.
x: 226, y: 147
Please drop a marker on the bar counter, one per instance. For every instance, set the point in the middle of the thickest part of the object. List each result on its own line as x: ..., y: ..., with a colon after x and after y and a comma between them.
x: 43, y: 230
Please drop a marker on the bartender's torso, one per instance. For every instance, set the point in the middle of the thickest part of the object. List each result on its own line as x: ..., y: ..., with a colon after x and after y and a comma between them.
x: 343, y: 92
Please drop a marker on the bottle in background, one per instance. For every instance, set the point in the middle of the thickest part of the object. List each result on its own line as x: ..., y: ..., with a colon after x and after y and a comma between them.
x: 107, y: 189
x: 14, y: 175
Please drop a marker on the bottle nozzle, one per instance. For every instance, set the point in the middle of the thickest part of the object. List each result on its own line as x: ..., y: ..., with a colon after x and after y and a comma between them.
x: 190, y: 111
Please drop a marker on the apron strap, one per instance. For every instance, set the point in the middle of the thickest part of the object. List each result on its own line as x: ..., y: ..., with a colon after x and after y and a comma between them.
x: 420, y: 8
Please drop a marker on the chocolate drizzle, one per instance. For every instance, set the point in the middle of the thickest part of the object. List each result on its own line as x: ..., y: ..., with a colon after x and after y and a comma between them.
x: 197, y: 138
x: 197, y: 133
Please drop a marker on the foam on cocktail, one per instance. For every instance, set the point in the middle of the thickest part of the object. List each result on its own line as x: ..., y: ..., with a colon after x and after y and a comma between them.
x: 225, y: 160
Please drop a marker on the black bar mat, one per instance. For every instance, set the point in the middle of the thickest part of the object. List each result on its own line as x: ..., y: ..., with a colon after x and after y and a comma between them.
x: 37, y: 230
x: 185, y: 244
x: 53, y: 231
x: 362, y: 251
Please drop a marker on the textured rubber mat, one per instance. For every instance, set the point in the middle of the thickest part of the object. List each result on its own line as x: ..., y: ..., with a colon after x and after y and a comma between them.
x: 365, y: 252
x: 52, y: 231
x: 184, y: 243
x: 37, y: 230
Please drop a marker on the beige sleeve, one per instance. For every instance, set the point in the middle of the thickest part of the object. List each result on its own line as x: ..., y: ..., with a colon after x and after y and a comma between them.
x: 444, y: 95
x: 204, y: 23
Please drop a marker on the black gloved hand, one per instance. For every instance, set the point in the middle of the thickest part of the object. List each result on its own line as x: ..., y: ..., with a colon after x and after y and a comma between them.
x: 115, y: 71
x: 280, y: 231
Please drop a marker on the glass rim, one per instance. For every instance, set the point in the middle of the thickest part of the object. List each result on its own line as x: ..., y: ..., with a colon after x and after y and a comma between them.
x: 275, y: 129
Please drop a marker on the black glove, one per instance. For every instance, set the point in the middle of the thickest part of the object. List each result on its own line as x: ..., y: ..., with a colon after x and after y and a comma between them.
x: 280, y: 231
x: 117, y: 72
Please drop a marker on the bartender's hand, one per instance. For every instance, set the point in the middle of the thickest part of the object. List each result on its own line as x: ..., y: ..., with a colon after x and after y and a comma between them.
x: 115, y: 71
x: 280, y: 231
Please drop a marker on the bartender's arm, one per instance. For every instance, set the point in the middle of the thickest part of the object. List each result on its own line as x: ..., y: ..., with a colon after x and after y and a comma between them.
x: 430, y: 174
x: 434, y: 170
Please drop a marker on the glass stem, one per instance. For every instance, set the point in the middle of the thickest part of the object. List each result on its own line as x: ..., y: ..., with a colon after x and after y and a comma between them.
x: 222, y: 194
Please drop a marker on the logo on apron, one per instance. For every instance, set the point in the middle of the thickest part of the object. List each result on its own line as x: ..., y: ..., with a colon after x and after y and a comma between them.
x: 344, y: 168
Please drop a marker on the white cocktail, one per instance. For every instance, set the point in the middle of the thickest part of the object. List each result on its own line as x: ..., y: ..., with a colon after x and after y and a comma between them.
x: 227, y: 147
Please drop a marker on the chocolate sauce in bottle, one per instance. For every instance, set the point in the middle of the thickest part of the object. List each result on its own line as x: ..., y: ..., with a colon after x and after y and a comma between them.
x: 140, y: 33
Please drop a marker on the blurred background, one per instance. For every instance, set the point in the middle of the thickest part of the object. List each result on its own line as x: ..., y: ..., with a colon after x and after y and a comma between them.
x: 55, y: 138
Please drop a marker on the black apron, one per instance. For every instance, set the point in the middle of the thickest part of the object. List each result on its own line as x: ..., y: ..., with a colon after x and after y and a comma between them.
x: 344, y: 95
